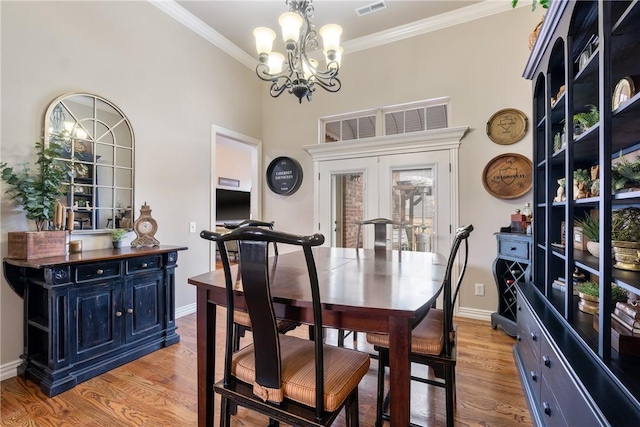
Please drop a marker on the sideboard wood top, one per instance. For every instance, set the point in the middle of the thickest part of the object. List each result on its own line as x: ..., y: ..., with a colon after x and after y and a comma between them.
x: 93, y: 256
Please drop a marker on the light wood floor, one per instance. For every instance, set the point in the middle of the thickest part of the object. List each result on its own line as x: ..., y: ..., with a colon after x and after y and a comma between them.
x: 160, y: 389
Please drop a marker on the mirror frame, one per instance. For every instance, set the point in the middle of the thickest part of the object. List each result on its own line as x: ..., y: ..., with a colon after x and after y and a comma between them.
x: 114, y: 209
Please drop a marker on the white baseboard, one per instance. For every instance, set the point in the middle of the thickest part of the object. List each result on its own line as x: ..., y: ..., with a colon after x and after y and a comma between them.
x: 9, y: 370
x: 474, y: 313
x: 185, y: 310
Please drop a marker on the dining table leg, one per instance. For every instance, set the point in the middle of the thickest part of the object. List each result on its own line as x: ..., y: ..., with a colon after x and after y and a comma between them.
x: 400, y: 374
x: 206, y: 345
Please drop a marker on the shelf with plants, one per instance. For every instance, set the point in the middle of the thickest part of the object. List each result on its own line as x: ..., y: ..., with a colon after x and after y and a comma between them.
x: 591, y: 44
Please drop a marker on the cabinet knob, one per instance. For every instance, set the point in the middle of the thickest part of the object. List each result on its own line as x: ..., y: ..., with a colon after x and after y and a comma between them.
x: 518, y: 338
x: 118, y: 313
x: 534, y: 336
x: 130, y: 310
x: 534, y: 376
x: 547, y: 408
x: 546, y: 361
x: 99, y: 271
x: 519, y: 307
x: 145, y: 265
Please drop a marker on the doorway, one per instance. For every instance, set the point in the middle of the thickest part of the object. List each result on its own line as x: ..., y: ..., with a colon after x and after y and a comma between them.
x: 411, y: 188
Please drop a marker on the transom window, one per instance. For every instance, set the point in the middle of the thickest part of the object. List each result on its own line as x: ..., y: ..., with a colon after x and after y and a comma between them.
x: 394, y: 120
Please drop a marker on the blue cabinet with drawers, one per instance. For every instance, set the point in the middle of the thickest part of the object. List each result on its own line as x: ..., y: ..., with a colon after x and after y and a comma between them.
x: 85, y: 314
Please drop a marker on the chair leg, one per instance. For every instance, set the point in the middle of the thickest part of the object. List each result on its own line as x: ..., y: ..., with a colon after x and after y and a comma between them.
x: 352, y: 414
x: 225, y: 416
x: 382, y: 363
x: 450, y: 390
x: 273, y: 423
x: 340, y: 337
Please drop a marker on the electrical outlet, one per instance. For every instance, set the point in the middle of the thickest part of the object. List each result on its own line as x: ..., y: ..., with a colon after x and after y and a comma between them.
x: 479, y: 289
x: 192, y: 227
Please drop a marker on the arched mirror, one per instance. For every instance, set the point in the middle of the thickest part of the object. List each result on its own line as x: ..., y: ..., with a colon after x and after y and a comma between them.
x: 97, y: 140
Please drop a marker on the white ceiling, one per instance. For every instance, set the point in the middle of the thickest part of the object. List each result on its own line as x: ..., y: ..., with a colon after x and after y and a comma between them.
x: 230, y: 24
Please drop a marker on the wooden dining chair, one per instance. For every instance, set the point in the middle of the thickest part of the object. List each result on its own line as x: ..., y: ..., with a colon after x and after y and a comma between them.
x: 242, y: 322
x: 433, y: 338
x: 293, y: 380
x: 380, y: 244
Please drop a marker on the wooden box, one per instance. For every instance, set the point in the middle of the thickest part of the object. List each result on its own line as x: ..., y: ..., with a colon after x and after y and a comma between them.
x: 36, y: 244
x: 622, y: 340
x: 579, y: 239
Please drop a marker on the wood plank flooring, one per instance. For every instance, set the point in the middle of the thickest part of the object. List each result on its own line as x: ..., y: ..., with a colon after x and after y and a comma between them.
x: 160, y: 389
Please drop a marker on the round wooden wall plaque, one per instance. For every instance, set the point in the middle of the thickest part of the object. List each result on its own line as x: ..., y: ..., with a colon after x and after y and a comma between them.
x: 507, y: 126
x: 508, y: 176
x: 284, y: 176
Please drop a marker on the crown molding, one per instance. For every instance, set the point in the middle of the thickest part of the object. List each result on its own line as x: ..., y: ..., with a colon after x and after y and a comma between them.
x: 445, y: 20
x: 180, y: 14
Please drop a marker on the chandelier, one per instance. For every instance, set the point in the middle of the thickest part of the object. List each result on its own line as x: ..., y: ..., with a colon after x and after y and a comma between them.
x: 298, y: 73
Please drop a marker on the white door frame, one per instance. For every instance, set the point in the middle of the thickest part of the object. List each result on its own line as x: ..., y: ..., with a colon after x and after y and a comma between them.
x: 431, y: 140
x: 256, y: 174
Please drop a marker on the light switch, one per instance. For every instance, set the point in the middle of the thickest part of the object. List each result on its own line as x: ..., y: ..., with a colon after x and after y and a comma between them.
x: 192, y: 227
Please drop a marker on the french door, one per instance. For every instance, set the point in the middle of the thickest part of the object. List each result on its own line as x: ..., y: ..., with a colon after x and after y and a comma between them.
x: 414, y: 188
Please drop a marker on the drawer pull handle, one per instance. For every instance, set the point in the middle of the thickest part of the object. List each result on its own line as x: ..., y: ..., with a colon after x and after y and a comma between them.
x: 118, y: 313
x: 99, y: 271
x: 145, y: 265
x: 513, y: 248
x: 547, y: 408
x: 534, y: 376
x: 130, y: 310
x: 546, y: 361
x: 534, y: 336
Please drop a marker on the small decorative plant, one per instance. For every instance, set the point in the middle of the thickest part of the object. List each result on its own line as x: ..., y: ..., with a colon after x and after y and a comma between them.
x: 590, y: 227
x: 626, y: 174
x: 117, y: 234
x: 587, y: 119
x: 625, y: 225
x: 38, y: 192
x: 592, y: 289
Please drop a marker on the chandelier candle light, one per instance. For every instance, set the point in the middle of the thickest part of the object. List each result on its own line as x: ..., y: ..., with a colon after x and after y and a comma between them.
x: 301, y: 74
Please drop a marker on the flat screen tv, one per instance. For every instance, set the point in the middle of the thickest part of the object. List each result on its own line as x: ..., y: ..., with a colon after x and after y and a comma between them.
x: 232, y: 205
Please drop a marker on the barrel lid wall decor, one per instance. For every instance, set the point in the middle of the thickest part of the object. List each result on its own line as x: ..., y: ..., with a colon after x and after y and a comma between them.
x: 507, y: 126
x: 284, y: 176
x: 508, y: 176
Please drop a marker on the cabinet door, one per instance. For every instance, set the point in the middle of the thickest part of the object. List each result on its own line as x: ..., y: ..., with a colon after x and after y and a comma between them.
x: 97, y: 314
x: 144, y: 294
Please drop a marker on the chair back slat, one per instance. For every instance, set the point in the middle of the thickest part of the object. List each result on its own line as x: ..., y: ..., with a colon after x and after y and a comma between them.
x: 449, y: 294
x: 380, y: 232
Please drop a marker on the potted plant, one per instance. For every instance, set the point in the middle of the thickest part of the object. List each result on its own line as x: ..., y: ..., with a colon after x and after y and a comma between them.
x: 591, y: 230
x: 581, y: 183
x: 625, y: 238
x: 584, y: 120
x: 117, y: 234
x: 626, y: 174
x: 38, y: 193
x: 589, y: 294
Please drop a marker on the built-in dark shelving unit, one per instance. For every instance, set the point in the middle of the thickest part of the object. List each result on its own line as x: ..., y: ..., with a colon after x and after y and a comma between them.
x: 606, y: 382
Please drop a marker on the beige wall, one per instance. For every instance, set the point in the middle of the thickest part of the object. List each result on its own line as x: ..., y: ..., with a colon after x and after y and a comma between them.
x: 478, y: 64
x: 172, y: 84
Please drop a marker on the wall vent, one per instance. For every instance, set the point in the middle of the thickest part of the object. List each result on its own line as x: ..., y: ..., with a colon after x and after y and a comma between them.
x: 371, y: 8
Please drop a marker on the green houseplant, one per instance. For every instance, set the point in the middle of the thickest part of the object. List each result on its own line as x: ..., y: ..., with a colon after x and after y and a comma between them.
x: 583, y: 121
x: 626, y: 174
x: 625, y: 238
x: 544, y: 3
x: 589, y: 294
x: 591, y: 230
x: 117, y: 234
x: 38, y: 192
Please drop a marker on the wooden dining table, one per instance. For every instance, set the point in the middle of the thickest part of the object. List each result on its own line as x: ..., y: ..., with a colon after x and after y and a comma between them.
x: 361, y: 289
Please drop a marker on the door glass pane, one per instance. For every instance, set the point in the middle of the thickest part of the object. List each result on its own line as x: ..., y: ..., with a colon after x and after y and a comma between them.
x: 347, y: 206
x: 414, y: 203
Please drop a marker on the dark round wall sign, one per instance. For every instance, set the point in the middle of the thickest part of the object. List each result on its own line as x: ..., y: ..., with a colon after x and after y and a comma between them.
x: 284, y: 176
